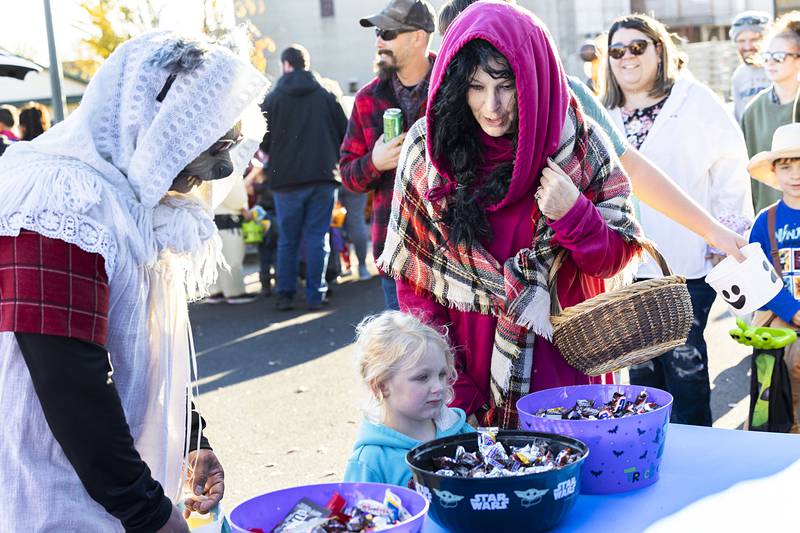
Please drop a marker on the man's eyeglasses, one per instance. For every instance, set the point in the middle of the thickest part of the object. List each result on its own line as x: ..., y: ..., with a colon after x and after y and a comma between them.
x: 636, y: 46
x: 778, y: 57
x: 751, y: 21
x: 389, y: 35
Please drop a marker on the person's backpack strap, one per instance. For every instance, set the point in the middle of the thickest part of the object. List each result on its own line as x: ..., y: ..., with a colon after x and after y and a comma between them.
x: 772, y: 215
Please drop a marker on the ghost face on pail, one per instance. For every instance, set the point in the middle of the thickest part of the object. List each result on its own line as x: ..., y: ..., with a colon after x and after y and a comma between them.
x: 734, y: 297
x: 745, y: 286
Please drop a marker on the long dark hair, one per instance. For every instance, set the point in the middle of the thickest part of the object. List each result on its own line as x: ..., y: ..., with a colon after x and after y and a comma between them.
x: 34, y: 119
x: 456, y: 143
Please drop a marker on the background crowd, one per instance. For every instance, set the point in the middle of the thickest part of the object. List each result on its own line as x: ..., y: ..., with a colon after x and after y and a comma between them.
x: 324, y: 170
x: 503, y: 164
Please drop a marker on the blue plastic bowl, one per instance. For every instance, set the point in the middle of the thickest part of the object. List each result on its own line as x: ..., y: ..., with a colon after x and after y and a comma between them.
x: 533, y: 502
x: 266, y: 511
x: 626, y: 452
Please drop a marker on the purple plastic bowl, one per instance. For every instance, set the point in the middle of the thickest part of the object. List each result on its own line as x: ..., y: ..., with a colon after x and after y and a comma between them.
x: 267, y: 510
x: 624, y: 453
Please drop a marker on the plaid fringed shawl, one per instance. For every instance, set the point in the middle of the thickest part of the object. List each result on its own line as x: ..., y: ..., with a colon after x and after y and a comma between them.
x: 471, y: 279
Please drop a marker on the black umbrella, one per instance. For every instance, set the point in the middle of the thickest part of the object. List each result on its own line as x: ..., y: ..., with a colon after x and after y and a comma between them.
x: 16, y: 67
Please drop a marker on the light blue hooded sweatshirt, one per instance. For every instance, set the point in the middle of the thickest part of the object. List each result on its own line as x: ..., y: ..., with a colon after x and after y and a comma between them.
x: 379, y: 454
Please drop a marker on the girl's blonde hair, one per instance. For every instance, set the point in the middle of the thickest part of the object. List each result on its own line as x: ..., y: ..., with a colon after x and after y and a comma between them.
x: 392, y: 342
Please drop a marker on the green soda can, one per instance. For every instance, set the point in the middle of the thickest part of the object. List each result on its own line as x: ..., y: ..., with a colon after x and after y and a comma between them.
x: 392, y: 123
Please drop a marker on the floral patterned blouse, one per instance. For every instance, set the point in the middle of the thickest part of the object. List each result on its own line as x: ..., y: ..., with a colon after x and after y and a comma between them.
x: 639, y: 121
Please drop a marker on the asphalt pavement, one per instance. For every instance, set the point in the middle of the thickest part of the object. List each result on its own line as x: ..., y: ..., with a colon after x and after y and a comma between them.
x: 281, y: 398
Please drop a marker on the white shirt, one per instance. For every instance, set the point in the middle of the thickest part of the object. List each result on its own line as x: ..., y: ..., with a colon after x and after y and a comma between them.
x: 697, y: 143
x: 235, y: 201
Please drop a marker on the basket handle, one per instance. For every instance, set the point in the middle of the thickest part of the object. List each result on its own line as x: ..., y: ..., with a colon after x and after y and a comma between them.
x: 555, y: 304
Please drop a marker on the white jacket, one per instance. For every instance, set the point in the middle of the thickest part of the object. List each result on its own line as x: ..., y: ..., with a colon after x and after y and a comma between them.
x: 697, y: 143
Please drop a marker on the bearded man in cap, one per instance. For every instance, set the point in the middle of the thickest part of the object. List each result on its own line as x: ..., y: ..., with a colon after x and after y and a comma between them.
x: 749, y: 79
x: 403, y: 33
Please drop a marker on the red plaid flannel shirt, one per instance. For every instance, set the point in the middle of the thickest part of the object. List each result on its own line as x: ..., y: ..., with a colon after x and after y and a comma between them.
x: 355, y: 164
x: 51, y: 287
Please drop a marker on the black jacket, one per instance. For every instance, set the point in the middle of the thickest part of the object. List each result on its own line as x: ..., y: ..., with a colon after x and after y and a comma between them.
x: 4, y: 143
x: 306, y: 125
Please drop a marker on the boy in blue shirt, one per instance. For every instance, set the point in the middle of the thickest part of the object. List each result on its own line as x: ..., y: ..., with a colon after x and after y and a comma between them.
x: 780, y: 238
x: 780, y: 169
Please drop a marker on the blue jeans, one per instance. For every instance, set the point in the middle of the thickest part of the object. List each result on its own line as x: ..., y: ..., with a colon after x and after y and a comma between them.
x: 304, y: 215
x: 390, y: 293
x: 354, y: 224
x: 267, y: 250
x: 683, y: 372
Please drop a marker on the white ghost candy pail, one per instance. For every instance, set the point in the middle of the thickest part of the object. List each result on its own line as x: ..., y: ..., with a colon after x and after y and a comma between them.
x: 746, y: 286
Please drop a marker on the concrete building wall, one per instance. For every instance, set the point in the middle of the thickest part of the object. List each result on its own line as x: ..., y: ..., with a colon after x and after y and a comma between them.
x: 572, y: 21
x: 344, y: 51
x: 787, y: 5
x: 717, y: 12
x: 340, y: 48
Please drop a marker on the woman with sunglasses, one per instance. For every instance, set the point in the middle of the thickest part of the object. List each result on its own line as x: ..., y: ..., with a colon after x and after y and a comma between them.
x: 773, y: 107
x: 650, y: 184
x: 502, y: 174
x: 683, y: 128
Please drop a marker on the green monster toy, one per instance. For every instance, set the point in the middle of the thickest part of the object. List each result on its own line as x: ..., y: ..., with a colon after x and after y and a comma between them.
x: 762, y: 338
x: 254, y: 229
x: 768, y: 344
x: 253, y: 232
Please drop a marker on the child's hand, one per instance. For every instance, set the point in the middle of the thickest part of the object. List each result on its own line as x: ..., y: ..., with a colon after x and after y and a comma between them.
x: 473, y: 421
x: 796, y: 319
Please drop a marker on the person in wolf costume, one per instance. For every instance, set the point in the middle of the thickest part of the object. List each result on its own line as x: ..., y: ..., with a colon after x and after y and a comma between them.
x: 106, y: 232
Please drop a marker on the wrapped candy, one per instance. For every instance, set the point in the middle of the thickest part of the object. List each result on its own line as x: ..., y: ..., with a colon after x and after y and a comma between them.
x: 618, y: 404
x: 373, y: 507
x: 486, y: 439
x: 563, y: 457
x: 305, y: 513
x: 618, y: 407
x: 495, y: 460
x: 466, y: 458
x: 338, y: 515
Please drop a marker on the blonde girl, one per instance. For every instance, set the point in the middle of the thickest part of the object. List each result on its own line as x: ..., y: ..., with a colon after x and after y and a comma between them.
x: 408, y: 370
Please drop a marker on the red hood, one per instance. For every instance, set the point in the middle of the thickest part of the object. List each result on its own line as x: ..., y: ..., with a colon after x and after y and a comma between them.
x: 542, y: 94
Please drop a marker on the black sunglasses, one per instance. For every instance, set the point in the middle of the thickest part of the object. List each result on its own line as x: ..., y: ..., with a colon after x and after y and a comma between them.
x: 751, y: 21
x: 778, y: 57
x: 389, y: 35
x: 636, y: 46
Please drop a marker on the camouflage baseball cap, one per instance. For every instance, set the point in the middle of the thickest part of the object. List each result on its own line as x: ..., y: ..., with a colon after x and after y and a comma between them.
x: 408, y: 15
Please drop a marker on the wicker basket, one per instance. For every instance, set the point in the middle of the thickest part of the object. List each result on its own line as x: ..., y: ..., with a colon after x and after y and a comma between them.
x: 623, y: 327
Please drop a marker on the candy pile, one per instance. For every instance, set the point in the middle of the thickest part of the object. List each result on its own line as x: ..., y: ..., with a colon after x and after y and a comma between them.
x: 337, y: 515
x: 494, y: 460
x: 618, y: 407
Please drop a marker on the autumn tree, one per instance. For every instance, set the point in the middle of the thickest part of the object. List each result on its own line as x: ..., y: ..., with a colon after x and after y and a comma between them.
x: 260, y: 45
x: 108, y: 24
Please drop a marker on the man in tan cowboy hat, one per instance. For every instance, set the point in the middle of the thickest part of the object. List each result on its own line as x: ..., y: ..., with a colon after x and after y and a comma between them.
x: 777, y: 229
